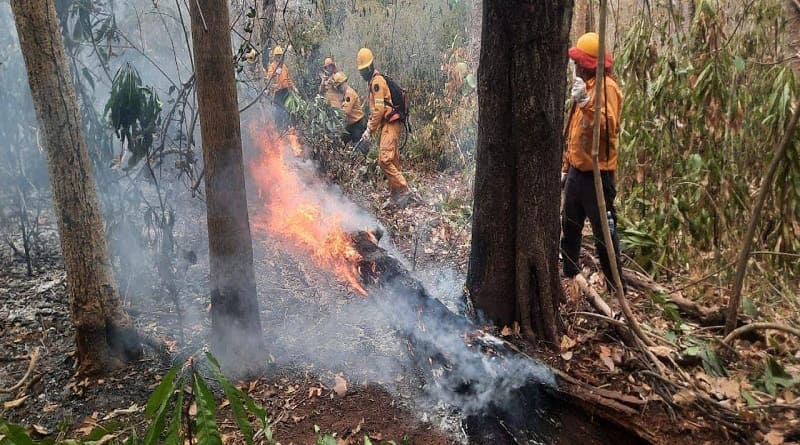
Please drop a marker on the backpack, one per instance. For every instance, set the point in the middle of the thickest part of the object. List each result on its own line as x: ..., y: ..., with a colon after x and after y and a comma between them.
x: 400, y: 101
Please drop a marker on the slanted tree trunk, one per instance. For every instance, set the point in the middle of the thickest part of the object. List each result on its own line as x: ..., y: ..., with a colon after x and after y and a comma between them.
x: 237, y: 338
x: 513, y: 271
x: 104, y: 336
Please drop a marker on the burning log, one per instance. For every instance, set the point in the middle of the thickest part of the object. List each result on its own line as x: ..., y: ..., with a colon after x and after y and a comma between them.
x: 504, y: 396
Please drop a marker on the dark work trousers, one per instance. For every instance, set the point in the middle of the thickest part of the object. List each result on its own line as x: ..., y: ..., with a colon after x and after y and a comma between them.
x: 580, y: 202
x: 281, y: 116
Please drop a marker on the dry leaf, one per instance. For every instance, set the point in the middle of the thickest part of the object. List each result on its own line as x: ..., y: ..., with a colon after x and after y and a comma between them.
x: 774, y: 438
x: 40, y: 429
x: 357, y: 429
x: 252, y: 386
x: 340, y: 388
x: 566, y: 355
x: 506, y: 332
x: 193, y: 409
x: 122, y: 411
x: 314, y: 392
x: 14, y: 403
x: 661, y: 351
x: 50, y: 407
x: 567, y: 343
x: 605, y: 357
x: 726, y: 388
x: 105, y: 439
x: 684, y: 397
x: 225, y: 403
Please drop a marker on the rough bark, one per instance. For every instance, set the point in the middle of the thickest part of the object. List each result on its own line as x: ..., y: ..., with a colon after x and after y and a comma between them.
x: 104, y: 335
x: 513, y: 273
x: 237, y: 337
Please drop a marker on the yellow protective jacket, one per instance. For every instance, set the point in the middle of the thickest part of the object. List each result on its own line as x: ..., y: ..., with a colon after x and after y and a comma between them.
x: 282, y: 80
x: 351, y: 105
x: 380, y: 102
x: 581, y: 128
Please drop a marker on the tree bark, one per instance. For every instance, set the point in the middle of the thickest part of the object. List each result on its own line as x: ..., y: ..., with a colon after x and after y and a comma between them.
x: 104, y: 335
x: 513, y: 273
x: 237, y: 337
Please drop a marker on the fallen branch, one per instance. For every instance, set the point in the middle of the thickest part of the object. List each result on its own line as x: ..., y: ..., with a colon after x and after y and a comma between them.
x: 31, y: 366
x: 755, y: 326
x: 705, y: 316
x: 594, y: 298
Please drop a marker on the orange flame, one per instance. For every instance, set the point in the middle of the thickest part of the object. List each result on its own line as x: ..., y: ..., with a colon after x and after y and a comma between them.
x: 297, y: 215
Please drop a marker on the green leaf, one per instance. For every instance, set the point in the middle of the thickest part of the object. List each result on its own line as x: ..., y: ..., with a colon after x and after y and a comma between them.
x: 11, y: 434
x: 235, y: 397
x: 367, y: 441
x: 751, y: 401
x: 738, y: 63
x: 162, y: 392
x: 749, y: 307
x: 207, y: 430
x: 174, y: 436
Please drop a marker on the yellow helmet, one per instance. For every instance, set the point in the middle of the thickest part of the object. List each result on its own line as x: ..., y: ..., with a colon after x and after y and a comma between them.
x: 277, y: 51
x: 339, y: 78
x: 328, y: 61
x: 589, y: 43
x: 364, y: 58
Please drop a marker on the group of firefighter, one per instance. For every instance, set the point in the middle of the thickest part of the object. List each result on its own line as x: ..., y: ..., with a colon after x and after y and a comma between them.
x: 577, y: 181
x: 359, y: 128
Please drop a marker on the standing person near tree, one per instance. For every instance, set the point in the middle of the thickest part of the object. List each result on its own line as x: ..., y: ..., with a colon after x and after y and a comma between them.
x: 580, y: 200
x: 280, y: 85
x: 384, y: 117
x: 354, y: 120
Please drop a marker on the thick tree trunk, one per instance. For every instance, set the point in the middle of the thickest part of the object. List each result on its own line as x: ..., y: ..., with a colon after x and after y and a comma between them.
x: 513, y: 273
x: 237, y: 337
x: 104, y: 335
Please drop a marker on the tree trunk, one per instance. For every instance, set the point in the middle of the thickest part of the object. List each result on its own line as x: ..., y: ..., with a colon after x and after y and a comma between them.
x: 104, y: 336
x: 513, y: 273
x: 237, y: 337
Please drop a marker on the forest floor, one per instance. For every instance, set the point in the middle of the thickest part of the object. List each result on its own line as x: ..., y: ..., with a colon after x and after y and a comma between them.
x: 320, y: 334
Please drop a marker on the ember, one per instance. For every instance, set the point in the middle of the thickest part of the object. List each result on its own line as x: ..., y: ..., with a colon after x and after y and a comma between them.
x: 295, y: 212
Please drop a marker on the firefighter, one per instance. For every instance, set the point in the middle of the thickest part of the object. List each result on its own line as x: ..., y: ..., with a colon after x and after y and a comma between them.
x: 280, y: 86
x: 576, y: 174
x: 384, y: 118
x: 354, y: 120
x: 326, y: 82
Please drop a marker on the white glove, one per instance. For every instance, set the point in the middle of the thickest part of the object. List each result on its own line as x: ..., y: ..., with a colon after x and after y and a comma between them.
x: 366, y: 136
x: 278, y: 71
x: 579, y: 94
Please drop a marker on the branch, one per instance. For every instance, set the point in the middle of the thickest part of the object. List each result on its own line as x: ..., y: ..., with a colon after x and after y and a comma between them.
x: 744, y: 256
x: 598, y: 183
x: 755, y: 326
x: 31, y: 366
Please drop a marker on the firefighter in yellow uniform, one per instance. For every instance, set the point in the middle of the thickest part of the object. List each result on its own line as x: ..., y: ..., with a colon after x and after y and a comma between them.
x: 326, y: 84
x: 384, y: 118
x: 354, y: 120
x: 280, y: 87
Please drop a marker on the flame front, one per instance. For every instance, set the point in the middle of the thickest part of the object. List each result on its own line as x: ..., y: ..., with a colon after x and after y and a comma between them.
x: 297, y: 214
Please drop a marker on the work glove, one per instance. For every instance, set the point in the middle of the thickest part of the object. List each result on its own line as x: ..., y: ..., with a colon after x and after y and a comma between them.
x: 579, y: 94
x: 563, y: 179
x: 366, y: 136
x: 278, y: 71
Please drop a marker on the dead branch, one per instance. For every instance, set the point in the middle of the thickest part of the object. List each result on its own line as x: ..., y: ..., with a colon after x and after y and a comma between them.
x: 31, y: 366
x: 744, y: 256
x: 754, y: 326
x: 706, y: 316
x: 594, y: 298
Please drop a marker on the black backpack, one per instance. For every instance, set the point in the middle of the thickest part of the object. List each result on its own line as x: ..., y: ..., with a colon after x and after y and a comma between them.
x: 400, y: 100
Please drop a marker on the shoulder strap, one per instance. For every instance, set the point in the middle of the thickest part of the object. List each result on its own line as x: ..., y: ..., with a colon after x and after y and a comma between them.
x: 608, y: 136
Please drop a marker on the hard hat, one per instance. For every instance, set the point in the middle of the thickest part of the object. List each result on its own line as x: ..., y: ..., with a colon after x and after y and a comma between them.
x: 364, y: 58
x: 589, y: 43
x: 277, y: 51
x: 339, y: 78
x: 251, y: 55
x: 328, y: 61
